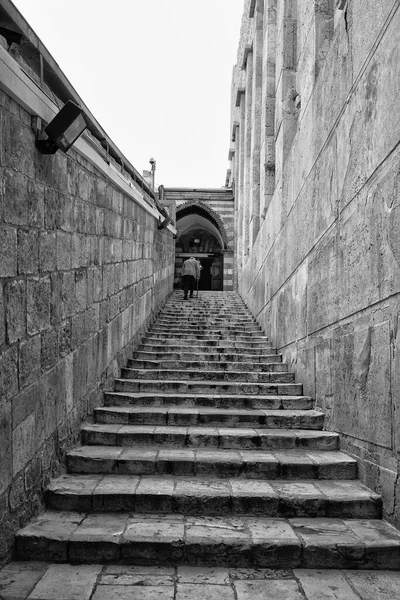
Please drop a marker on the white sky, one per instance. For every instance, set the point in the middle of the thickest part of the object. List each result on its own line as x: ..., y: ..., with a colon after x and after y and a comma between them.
x: 156, y: 74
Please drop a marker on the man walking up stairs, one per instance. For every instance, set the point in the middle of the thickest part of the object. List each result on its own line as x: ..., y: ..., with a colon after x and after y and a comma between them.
x: 208, y: 454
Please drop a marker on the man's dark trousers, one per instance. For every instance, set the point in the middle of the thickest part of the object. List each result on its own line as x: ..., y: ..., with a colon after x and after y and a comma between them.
x: 188, y: 284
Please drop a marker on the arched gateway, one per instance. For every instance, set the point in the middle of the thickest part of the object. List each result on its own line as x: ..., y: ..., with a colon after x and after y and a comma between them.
x: 204, y: 220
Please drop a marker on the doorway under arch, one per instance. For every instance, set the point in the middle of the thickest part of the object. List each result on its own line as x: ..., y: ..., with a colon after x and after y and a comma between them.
x: 200, y: 237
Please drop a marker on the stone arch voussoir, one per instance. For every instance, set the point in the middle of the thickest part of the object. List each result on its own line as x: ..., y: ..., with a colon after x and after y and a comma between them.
x: 210, y: 214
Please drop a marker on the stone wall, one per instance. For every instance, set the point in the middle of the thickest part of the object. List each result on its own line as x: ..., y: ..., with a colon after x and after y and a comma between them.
x: 323, y: 274
x: 83, y: 269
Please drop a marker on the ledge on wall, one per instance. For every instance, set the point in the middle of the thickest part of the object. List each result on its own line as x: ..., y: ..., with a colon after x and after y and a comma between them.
x: 252, y: 8
x: 239, y: 92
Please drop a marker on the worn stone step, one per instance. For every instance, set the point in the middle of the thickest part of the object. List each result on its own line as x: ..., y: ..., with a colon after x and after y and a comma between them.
x: 206, y: 387
x: 205, y: 496
x: 211, y: 346
x: 208, y: 336
x: 229, y: 320
x: 224, y: 328
x: 173, y: 415
x: 206, y: 365
x: 208, y: 375
x: 211, y: 437
x: 237, y: 541
x: 248, y: 464
x: 201, y: 321
x: 248, y: 360
x: 244, y: 401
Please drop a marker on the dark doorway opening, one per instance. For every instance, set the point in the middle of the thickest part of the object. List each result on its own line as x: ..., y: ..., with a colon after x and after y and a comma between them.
x: 205, y: 275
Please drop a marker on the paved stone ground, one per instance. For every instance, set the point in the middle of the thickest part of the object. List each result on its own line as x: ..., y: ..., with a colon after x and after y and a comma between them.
x: 44, y: 581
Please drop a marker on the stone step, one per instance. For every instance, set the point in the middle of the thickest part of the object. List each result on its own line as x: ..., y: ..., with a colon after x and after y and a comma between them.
x: 198, y: 320
x: 220, y: 346
x: 94, y: 434
x: 197, y: 417
x: 164, y: 375
x: 244, y: 401
x: 204, y: 496
x: 205, y: 320
x: 245, y: 360
x: 207, y: 365
x: 247, y: 464
x: 195, y: 316
x: 237, y: 541
x: 208, y: 387
x: 207, y: 328
x: 211, y: 335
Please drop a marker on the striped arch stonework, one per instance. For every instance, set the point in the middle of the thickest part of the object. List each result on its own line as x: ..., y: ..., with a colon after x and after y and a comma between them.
x: 217, y: 206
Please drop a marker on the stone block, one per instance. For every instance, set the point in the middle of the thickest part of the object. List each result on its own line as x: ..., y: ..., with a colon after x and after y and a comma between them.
x: 9, y: 373
x: 271, y: 590
x: 63, y: 251
x: 17, y: 579
x: 67, y: 582
x: 68, y: 294
x: 15, y: 297
x: 375, y: 584
x: 32, y: 475
x: 38, y: 304
x: 81, y: 290
x: 19, y: 146
x: 64, y: 338
x: 46, y: 407
x: 80, y: 369
x: 78, y: 334
x: 16, y: 496
x: 5, y: 445
x: 25, y: 403
x: 8, y: 251
x: 52, y: 209
x: 323, y: 375
x: 47, y: 251
x: 29, y: 361
x: 2, y: 318
x: 49, y: 349
x: 28, y: 252
x: 361, y: 370
x: 23, y: 443
x: 23, y: 200
x: 80, y: 216
x: 76, y: 259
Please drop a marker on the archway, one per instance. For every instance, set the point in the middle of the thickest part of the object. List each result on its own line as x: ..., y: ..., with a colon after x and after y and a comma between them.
x: 200, y: 236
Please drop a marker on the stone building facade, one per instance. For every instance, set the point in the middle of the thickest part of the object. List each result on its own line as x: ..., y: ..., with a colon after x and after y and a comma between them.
x: 205, y: 229
x: 315, y: 165
x: 83, y: 269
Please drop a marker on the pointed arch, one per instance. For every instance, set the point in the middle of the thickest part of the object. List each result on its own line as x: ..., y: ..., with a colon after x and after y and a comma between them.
x: 197, y: 207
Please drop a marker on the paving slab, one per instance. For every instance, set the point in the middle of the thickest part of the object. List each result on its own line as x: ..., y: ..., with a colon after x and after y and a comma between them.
x: 18, y: 579
x: 131, y: 592
x: 326, y: 585
x: 67, y: 582
x: 189, y: 591
x: 268, y: 590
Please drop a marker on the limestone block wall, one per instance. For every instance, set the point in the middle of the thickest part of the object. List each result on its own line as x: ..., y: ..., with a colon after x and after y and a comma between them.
x: 83, y: 268
x: 323, y: 275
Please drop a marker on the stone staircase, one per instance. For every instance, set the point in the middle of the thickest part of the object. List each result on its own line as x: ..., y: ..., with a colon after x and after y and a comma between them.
x: 208, y: 453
